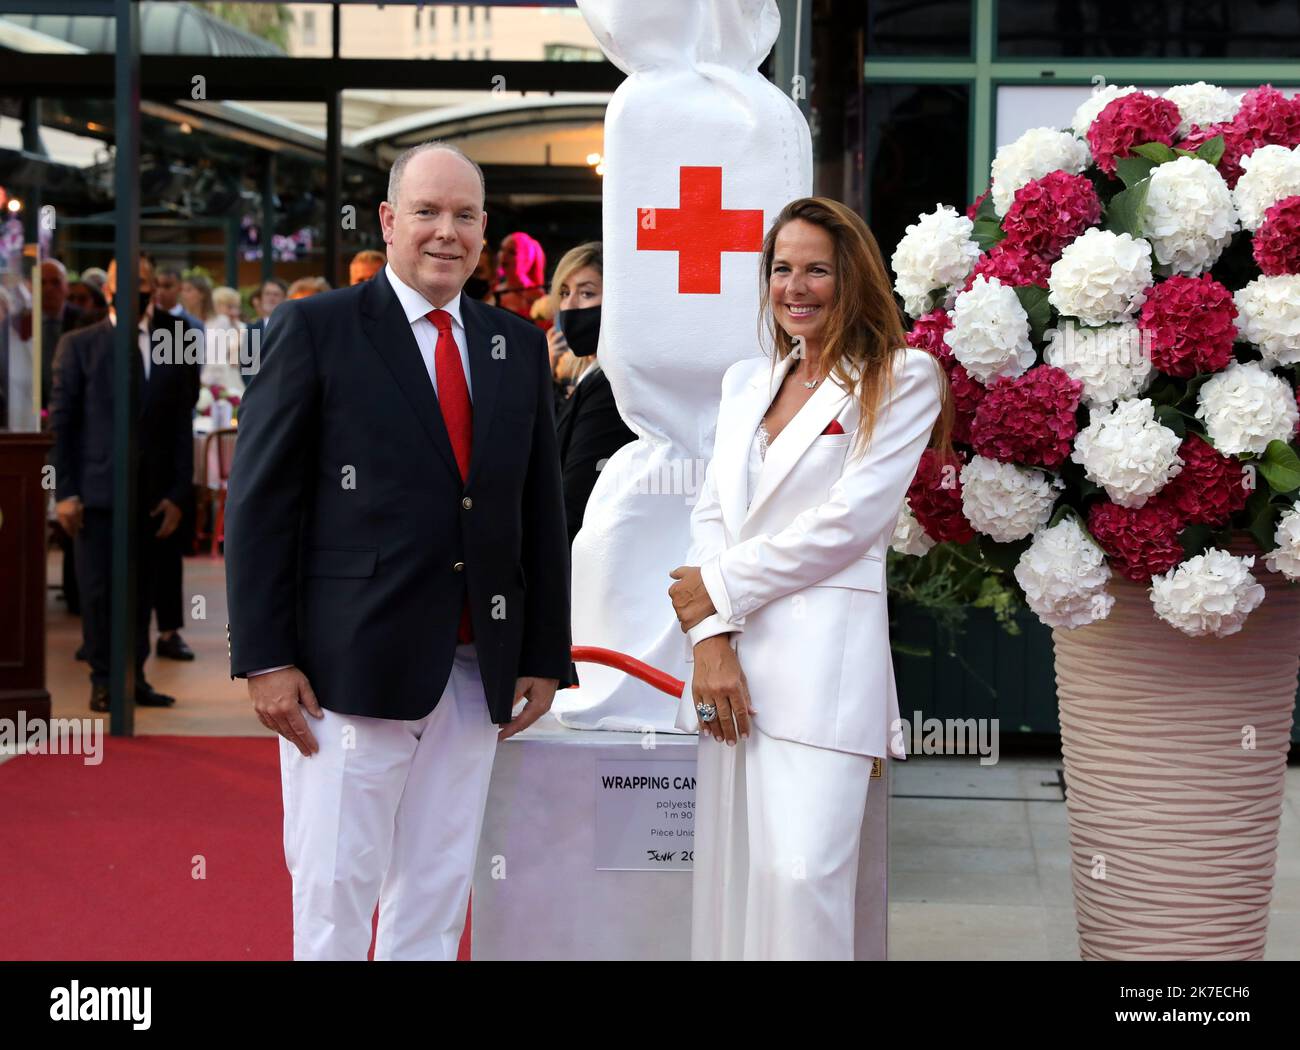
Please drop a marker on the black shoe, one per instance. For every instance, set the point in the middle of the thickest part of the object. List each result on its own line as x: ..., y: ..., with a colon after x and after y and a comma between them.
x: 174, y: 648
x: 81, y: 653
x: 99, y: 698
x: 147, y: 696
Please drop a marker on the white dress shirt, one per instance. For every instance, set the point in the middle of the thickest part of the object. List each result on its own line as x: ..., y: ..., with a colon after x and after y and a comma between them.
x: 416, y: 307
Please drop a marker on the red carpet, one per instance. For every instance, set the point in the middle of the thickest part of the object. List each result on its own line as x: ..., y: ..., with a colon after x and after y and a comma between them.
x: 99, y: 862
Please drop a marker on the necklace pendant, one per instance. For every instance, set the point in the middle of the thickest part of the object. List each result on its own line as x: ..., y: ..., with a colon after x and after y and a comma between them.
x: 811, y: 384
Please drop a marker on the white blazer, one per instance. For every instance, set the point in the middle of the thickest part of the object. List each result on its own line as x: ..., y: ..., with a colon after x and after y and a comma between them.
x: 800, y: 572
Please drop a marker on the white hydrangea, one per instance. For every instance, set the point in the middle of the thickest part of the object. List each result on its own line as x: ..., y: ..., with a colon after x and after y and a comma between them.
x: 1101, y: 277
x: 1202, y: 104
x: 205, y: 399
x: 1064, y: 575
x: 1270, y: 173
x: 1268, y: 315
x: 1244, y: 407
x: 990, y: 331
x: 1094, y: 104
x: 910, y: 536
x: 1188, y: 216
x: 1127, y: 452
x: 1006, y: 501
x: 1211, y: 593
x: 1285, y: 557
x: 1038, y: 152
x: 1110, y: 362
x: 935, y: 252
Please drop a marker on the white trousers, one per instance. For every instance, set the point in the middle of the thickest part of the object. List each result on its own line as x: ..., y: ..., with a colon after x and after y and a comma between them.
x: 388, y: 811
x: 778, y: 827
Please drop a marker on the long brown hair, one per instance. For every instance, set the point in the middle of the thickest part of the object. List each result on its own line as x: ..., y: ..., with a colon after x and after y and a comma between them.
x: 864, y: 327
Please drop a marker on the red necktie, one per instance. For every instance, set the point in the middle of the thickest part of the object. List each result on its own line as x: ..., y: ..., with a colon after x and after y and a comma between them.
x: 453, y: 399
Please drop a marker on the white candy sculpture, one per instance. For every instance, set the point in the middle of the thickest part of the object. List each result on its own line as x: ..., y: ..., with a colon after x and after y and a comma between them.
x: 701, y: 153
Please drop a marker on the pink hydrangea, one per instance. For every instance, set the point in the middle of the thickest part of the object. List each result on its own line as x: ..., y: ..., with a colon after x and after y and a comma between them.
x: 935, y: 498
x: 1012, y: 264
x: 1048, y: 213
x: 973, y: 208
x: 1029, y: 419
x: 1237, y: 143
x: 1277, y: 241
x: 927, y: 333
x: 1210, y: 488
x: 1269, y: 118
x: 1129, y: 121
x: 1187, y: 325
x: 967, y: 393
x: 1139, y: 542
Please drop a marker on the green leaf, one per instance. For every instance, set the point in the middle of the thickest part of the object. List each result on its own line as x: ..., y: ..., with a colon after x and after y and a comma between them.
x: 987, y: 210
x: 1156, y: 151
x: 1280, y: 467
x: 987, y: 233
x: 1211, y: 150
x: 1133, y: 170
x: 1003, y: 555
x: 1062, y: 511
x: 1262, y: 514
x: 1188, y: 401
x: 1034, y: 301
x: 1164, y: 391
x: 1124, y: 213
x: 1195, y: 538
x: 1169, y: 416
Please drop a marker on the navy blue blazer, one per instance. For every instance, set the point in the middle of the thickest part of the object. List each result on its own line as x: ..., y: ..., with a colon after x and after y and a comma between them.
x: 351, y: 541
x: 81, y: 417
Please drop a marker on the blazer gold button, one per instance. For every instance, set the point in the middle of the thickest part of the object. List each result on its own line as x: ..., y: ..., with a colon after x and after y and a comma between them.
x: 467, y: 503
x: 458, y: 567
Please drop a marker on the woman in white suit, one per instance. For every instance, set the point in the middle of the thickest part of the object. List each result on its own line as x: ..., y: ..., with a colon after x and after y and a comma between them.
x: 783, y: 594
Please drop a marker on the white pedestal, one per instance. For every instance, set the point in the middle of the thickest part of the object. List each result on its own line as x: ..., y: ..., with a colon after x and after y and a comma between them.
x: 538, y: 893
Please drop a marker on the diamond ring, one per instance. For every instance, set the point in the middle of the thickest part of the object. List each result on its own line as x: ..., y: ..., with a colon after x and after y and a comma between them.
x: 707, y: 712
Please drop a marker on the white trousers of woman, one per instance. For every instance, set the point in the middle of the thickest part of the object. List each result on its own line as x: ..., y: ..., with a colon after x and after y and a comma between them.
x: 778, y: 827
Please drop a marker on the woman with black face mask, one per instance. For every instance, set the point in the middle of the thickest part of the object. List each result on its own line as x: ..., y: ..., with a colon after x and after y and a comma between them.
x: 588, y: 424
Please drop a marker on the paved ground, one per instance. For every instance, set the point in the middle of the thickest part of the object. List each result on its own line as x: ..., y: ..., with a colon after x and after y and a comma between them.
x: 978, y: 859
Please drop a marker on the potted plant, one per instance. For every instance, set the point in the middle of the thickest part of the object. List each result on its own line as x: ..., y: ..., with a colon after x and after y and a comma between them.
x: 1119, y: 317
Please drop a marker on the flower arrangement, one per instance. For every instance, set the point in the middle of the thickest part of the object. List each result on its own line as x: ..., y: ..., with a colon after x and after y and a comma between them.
x: 211, y: 395
x: 1119, y: 318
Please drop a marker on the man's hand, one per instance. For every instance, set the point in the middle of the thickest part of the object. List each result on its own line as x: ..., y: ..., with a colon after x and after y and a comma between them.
x: 277, y: 697
x: 719, y: 680
x: 171, y: 517
x: 689, y: 596
x: 70, y: 513
x: 540, y: 692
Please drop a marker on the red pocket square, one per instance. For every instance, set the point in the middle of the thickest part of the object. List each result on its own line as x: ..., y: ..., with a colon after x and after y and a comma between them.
x: 833, y: 427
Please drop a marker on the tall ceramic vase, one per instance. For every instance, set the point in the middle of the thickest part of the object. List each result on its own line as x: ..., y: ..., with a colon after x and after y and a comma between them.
x: 1175, y: 754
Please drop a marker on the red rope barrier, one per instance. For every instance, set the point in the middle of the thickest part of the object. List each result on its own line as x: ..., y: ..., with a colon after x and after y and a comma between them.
x: 661, y: 680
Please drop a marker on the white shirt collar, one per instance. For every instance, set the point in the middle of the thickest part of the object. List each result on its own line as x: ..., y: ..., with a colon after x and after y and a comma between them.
x: 414, y: 305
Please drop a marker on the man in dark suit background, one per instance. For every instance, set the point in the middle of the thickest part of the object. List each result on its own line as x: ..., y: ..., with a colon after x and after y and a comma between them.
x: 397, y: 566
x: 168, y: 598
x: 273, y: 292
x: 81, y: 416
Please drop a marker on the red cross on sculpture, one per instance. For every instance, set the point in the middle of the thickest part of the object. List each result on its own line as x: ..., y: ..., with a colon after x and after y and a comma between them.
x: 699, y: 231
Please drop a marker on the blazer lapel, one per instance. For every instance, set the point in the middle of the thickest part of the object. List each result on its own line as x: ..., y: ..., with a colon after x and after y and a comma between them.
x: 484, y: 375
x: 731, y: 444
x: 793, y: 441
x: 389, y: 332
